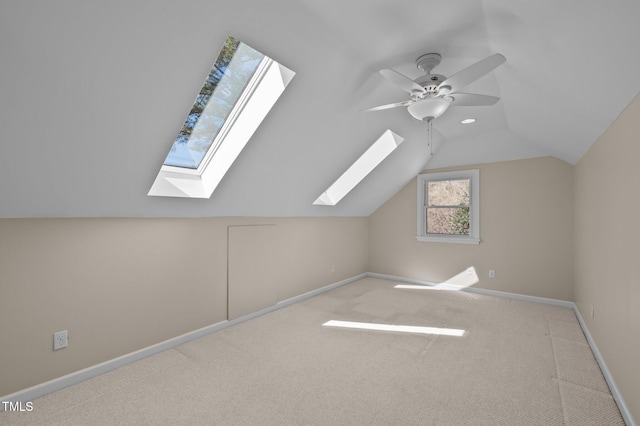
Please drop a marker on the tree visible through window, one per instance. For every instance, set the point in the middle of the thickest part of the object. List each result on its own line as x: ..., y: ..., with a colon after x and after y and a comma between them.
x: 448, y: 206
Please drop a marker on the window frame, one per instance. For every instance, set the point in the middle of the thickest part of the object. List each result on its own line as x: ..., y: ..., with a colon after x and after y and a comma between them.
x: 474, y: 206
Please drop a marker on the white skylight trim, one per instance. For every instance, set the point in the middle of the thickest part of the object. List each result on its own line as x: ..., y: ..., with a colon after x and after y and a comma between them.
x: 368, y: 161
x: 201, y: 177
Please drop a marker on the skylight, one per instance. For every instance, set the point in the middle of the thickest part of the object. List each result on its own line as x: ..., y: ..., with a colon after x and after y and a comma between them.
x: 237, y: 94
x: 368, y: 161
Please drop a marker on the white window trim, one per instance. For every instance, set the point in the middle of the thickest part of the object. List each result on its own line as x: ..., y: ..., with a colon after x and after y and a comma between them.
x: 474, y: 235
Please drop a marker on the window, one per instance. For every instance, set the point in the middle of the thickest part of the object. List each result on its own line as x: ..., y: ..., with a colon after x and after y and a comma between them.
x: 449, y: 207
x: 237, y: 94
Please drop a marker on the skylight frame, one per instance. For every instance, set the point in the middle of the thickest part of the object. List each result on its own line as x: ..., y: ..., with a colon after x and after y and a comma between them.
x: 261, y: 92
x: 360, y: 169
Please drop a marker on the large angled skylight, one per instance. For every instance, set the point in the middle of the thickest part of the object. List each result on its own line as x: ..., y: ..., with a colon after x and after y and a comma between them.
x: 368, y: 161
x: 239, y: 91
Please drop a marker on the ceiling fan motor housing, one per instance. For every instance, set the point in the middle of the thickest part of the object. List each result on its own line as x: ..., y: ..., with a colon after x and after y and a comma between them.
x: 430, y: 82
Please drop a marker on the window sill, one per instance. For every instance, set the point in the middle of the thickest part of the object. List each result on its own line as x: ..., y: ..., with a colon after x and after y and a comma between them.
x: 448, y: 239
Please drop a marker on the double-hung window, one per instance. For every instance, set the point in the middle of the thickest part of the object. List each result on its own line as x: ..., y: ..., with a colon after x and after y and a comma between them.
x: 449, y: 207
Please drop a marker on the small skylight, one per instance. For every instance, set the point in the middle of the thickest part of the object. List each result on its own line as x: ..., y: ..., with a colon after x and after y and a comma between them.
x: 241, y: 88
x: 368, y: 161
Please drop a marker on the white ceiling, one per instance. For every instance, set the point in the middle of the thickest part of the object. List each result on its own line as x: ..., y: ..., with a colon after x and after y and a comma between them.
x: 94, y: 92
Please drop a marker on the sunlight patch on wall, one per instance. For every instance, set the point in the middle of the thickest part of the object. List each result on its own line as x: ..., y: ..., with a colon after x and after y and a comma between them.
x: 464, y: 279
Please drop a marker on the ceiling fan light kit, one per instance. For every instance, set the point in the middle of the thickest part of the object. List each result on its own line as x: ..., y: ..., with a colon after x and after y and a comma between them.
x: 429, y: 108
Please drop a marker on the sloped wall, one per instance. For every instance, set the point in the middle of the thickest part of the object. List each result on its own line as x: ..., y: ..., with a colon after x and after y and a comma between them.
x: 525, y: 229
x: 119, y: 285
x: 607, y: 232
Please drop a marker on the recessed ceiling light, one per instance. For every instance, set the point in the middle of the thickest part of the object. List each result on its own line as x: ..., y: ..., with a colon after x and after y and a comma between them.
x: 468, y: 121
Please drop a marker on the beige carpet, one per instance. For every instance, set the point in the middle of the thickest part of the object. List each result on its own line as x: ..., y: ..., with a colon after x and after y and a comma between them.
x: 518, y: 363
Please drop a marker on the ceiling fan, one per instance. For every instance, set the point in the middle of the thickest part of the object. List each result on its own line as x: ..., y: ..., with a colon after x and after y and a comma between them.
x: 430, y: 95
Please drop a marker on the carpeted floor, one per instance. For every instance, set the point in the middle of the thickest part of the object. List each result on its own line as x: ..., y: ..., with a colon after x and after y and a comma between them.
x: 517, y: 363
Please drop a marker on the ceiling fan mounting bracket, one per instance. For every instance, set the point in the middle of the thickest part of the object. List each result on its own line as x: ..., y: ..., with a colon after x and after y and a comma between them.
x: 428, y: 61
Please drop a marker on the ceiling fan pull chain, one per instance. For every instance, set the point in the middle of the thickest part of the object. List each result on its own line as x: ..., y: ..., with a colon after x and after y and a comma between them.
x: 429, y: 136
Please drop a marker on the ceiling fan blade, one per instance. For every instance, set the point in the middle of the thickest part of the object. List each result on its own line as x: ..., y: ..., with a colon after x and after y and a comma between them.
x: 469, y: 99
x: 401, y: 81
x: 388, y: 106
x: 470, y: 74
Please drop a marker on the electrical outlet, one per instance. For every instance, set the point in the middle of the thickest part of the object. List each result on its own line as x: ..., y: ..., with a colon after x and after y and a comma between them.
x: 592, y: 312
x: 492, y: 273
x: 333, y: 268
x: 60, y: 340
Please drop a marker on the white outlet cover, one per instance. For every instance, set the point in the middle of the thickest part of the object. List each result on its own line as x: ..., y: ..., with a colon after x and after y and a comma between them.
x: 60, y: 340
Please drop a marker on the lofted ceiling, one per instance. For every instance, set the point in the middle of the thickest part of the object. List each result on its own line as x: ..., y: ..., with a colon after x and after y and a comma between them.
x: 93, y: 93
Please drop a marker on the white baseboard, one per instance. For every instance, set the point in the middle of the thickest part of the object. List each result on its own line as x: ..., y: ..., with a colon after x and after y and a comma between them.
x: 624, y: 411
x: 42, y: 389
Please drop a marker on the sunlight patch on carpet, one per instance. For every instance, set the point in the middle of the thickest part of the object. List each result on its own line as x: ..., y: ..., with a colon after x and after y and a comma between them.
x: 395, y: 328
x: 450, y: 287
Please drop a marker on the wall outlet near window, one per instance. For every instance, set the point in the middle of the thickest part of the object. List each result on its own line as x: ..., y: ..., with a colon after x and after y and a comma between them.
x: 60, y: 340
x: 492, y: 273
